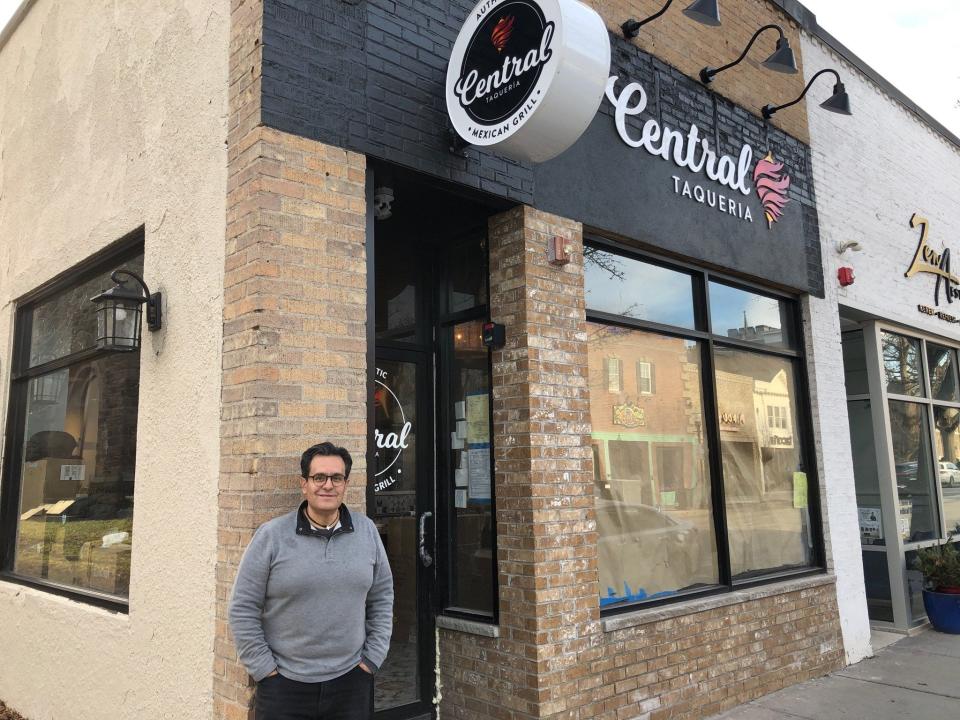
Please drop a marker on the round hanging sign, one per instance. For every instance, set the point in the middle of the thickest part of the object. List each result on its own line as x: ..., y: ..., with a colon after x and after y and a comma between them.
x: 526, y: 77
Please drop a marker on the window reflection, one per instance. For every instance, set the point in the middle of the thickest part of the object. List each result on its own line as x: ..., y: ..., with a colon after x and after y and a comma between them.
x: 765, y: 487
x: 466, y: 264
x: 855, y: 363
x: 398, y: 293
x: 79, y: 454
x: 865, y: 475
x: 943, y: 372
x: 64, y: 324
x: 901, y: 364
x: 749, y: 316
x: 914, y: 471
x: 651, y: 473
x: 635, y: 289
x: 947, y: 448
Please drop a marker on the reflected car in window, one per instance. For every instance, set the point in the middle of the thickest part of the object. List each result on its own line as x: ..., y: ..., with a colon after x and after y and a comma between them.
x: 906, y: 474
x: 949, y: 474
x: 647, y: 552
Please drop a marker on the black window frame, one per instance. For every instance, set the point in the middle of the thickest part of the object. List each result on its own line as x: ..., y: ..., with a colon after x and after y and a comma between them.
x: 122, y: 251
x: 701, y: 333
x: 435, y: 316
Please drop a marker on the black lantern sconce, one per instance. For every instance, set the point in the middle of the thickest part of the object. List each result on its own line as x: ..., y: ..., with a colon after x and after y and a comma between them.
x: 704, y: 12
x: 119, y: 310
x: 782, y: 59
x: 839, y: 102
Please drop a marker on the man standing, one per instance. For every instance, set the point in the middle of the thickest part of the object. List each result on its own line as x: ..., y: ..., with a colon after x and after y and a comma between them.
x: 312, y: 605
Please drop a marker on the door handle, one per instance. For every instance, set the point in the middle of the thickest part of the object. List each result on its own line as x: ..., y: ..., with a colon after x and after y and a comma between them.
x: 425, y: 557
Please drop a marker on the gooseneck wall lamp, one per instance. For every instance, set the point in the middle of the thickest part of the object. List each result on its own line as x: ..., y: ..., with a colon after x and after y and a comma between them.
x: 118, y: 313
x: 839, y: 102
x: 782, y: 59
x: 704, y: 12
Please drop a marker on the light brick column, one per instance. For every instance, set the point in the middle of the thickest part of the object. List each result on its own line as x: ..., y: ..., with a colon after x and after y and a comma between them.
x: 294, y: 326
x: 546, y: 528
x: 294, y: 345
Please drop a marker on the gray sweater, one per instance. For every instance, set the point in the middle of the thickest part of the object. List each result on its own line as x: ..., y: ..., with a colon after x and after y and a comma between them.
x: 312, y: 603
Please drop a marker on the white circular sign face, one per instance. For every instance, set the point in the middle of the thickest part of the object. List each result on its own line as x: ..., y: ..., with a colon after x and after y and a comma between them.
x: 526, y: 76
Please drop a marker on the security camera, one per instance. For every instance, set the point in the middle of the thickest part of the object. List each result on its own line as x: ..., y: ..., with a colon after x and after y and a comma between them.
x: 382, y: 199
x: 844, y: 245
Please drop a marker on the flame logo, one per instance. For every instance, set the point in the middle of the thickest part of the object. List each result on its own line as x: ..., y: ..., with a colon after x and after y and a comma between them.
x: 772, y: 187
x: 501, y: 32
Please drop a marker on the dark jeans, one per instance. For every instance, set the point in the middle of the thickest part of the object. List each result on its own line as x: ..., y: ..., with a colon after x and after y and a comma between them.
x: 348, y: 697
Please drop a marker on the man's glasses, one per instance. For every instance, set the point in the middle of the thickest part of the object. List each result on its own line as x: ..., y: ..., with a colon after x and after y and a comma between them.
x: 321, y: 479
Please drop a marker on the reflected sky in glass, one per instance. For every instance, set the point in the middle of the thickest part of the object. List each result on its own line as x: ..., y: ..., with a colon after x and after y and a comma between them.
x: 623, y: 286
x: 746, y: 316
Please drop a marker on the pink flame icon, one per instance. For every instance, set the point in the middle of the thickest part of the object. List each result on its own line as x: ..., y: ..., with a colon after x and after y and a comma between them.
x: 772, y: 187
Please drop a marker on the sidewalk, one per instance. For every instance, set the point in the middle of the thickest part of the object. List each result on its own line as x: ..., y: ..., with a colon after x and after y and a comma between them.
x: 915, y: 678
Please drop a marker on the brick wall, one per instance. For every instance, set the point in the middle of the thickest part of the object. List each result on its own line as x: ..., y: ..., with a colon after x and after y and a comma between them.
x: 554, y: 659
x: 294, y: 327
x: 370, y: 76
x: 702, y: 663
x: 546, y: 538
x: 689, y: 46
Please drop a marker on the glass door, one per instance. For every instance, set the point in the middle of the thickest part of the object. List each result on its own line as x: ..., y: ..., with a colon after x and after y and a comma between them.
x: 401, y: 503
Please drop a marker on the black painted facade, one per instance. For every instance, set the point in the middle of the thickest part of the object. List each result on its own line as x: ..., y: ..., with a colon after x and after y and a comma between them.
x: 370, y: 77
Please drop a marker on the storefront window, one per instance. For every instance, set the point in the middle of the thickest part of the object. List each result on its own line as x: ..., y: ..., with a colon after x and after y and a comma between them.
x: 916, y: 519
x: 855, y: 364
x: 942, y: 364
x: 901, y: 364
x: 471, y: 585
x: 399, y: 293
x: 946, y: 422
x: 76, y: 445
x: 652, y: 475
x: 866, y: 477
x: 467, y: 267
x: 765, y: 486
x: 655, y: 442
x: 611, y: 287
x: 749, y: 316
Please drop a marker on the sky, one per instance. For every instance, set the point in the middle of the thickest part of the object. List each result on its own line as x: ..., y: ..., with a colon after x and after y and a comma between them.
x: 912, y: 44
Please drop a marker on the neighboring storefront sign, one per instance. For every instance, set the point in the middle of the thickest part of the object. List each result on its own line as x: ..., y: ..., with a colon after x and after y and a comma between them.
x: 937, y: 263
x: 526, y: 77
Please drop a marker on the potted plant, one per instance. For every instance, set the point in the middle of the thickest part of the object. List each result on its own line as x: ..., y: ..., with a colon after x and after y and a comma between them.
x: 940, y: 566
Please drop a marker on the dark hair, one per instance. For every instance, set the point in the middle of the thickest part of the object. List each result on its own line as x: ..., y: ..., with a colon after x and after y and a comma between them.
x: 325, y: 449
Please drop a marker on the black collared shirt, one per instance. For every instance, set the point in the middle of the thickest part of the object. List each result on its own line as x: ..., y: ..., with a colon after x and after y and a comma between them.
x: 305, y: 528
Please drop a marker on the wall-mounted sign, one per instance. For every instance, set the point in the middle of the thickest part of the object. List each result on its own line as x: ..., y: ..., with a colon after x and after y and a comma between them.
x: 673, y: 165
x: 526, y: 76
x: 937, y: 263
x: 390, y: 435
x: 629, y: 415
x: 691, y: 151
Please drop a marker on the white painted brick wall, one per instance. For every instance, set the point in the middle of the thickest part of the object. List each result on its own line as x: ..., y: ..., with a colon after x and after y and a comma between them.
x: 872, y: 171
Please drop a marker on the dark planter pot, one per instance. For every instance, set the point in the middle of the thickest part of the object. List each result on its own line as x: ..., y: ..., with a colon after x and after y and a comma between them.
x: 943, y: 611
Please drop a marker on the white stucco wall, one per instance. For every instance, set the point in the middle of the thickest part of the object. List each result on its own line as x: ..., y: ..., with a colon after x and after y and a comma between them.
x: 112, y: 116
x: 872, y: 171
